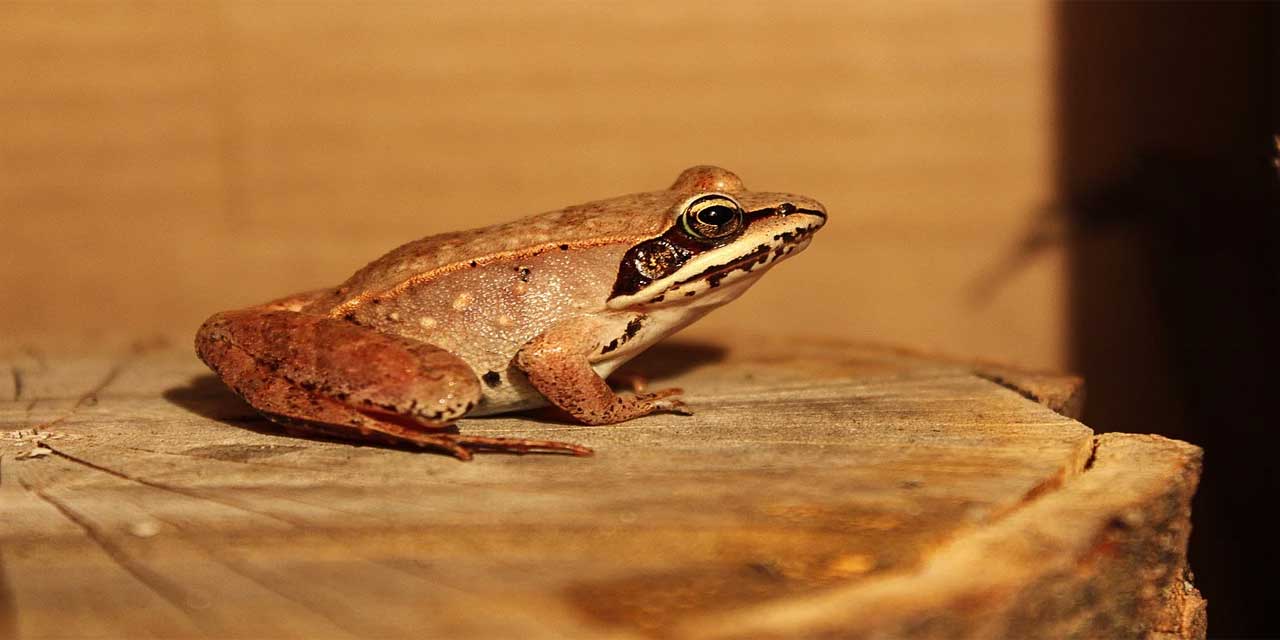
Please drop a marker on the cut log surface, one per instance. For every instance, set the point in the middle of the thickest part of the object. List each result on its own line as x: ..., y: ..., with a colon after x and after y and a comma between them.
x: 826, y: 489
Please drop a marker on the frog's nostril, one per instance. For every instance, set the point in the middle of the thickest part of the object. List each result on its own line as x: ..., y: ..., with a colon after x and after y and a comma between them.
x: 786, y: 209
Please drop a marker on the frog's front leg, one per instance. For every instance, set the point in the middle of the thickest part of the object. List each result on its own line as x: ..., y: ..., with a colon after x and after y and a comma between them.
x: 558, y: 365
x: 320, y: 374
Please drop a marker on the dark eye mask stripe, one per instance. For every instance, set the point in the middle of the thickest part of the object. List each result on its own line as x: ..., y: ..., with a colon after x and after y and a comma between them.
x: 666, y: 254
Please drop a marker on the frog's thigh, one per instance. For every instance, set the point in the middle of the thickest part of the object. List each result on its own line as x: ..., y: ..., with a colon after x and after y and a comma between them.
x: 557, y: 365
x: 315, y: 368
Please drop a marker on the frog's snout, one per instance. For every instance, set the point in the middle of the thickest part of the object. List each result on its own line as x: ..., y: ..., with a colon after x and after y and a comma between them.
x: 814, y: 213
x: 803, y: 206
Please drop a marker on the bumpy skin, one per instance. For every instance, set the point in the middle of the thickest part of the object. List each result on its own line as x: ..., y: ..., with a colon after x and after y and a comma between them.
x: 490, y: 320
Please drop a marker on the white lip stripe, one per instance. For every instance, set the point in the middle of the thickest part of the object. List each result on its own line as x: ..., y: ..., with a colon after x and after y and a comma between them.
x: 694, y: 276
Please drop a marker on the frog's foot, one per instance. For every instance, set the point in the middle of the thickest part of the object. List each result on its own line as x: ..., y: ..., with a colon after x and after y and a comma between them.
x: 335, y: 378
x: 667, y: 401
x: 663, y: 400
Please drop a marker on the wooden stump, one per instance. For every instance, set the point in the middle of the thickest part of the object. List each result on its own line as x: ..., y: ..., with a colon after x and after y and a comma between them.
x: 829, y: 489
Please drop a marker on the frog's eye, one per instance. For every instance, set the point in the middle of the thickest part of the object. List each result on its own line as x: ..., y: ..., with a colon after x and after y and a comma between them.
x: 712, y: 218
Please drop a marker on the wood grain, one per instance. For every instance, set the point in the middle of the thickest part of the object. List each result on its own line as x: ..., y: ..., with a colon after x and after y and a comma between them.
x: 161, y: 161
x: 822, y: 488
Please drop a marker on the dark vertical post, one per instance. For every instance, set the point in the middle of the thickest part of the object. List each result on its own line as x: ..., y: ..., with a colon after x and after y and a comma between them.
x: 1165, y: 125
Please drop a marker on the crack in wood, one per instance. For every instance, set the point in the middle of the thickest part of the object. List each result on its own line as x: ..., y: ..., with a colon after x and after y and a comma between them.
x: 182, y: 491
x: 197, y: 456
x: 88, y: 397
x: 154, y: 581
x: 91, y: 396
x: 239, y: 568
x: 1055, y: 482
x: 1093, y: 454
x: 1008, y: 384
x: 1063, y: 394
x: 235, y: 567
x: 274, y: 495
x: 163, y: 587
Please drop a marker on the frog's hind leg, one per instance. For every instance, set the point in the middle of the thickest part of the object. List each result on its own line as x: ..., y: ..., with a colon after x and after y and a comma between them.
x: 320, y: 375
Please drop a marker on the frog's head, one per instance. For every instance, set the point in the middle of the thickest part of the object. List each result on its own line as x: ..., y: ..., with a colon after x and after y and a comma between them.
x: 722, y: 237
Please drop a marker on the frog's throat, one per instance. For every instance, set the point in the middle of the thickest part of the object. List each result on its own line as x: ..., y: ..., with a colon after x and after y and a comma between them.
x: 762, y: 245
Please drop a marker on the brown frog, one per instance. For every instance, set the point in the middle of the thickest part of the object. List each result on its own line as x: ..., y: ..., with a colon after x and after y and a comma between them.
x: 508, y: 317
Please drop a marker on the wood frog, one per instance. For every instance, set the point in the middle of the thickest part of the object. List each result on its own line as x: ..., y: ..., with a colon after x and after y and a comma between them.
x: 507, y: 317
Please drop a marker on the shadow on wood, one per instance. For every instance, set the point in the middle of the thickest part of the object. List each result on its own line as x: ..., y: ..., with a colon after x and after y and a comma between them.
x: 207, y: 396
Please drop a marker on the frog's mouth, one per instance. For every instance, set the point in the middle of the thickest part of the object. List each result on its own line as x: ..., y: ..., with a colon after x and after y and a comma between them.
x: 764, y: 255
x: 769, y: 238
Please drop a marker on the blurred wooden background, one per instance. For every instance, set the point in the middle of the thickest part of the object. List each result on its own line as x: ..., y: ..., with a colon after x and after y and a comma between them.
x: 161, y: 161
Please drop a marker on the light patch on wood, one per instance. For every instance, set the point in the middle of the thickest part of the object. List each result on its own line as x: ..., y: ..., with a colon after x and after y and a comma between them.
x: 851, y: 565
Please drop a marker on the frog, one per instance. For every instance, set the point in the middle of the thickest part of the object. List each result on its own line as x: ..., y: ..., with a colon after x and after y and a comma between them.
x: 511, y: 317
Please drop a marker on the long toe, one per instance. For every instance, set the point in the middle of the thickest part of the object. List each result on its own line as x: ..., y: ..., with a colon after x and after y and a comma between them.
x: 521, y: 445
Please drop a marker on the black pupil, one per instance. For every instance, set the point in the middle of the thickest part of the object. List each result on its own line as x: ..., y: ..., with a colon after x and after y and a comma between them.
x: 716, y: 215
